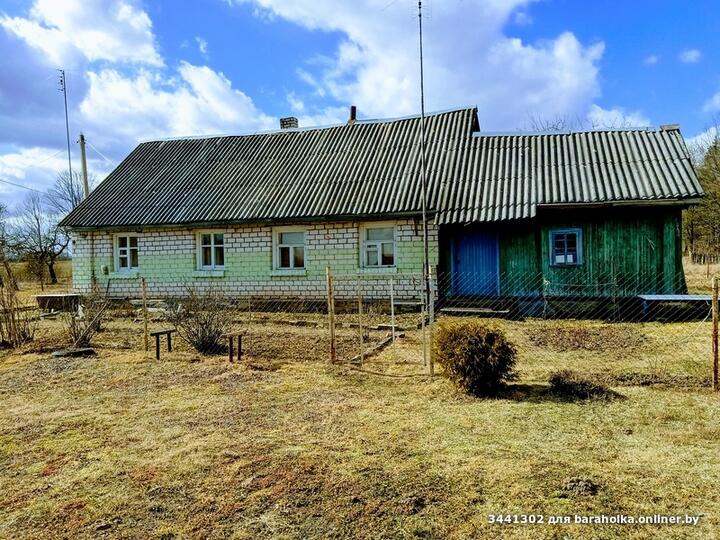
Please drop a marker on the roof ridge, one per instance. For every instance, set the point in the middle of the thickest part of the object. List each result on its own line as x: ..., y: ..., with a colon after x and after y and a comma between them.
x: 309, y: 128
x: 631, y: 129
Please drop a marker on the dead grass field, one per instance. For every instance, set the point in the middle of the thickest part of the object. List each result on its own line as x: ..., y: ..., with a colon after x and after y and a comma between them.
x: 286, y: 446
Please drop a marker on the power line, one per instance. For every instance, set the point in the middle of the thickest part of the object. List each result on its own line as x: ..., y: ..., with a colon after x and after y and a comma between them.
x: 20, y: 185
x: 47, y: 158
x: 98, y: 152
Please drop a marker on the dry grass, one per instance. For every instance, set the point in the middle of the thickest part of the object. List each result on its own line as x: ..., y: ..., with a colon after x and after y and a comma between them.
x: 122, y: 446
x: 699, y: 276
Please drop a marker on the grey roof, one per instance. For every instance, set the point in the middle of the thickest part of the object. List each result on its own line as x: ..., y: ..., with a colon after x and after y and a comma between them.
x: 510, y: 176
x: 371, y: 168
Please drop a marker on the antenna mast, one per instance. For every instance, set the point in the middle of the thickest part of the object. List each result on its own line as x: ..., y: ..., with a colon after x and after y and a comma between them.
x: 423, y: 178
x: 63, y: 89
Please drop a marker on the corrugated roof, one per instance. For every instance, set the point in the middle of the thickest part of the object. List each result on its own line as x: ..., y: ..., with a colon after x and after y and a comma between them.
x: 372, y: 169
x: 508, y: 176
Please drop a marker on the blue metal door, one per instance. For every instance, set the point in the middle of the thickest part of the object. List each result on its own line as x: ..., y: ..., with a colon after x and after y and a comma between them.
x: 476, y: 264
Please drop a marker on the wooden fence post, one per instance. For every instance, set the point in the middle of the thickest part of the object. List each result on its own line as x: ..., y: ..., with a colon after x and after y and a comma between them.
x: 392, y: 308
x: 715, y: 332
x: 431, y: 302
x: 360, y: 322
x: 331, y: 314
x: 146, y: 330
x: 423, y: 311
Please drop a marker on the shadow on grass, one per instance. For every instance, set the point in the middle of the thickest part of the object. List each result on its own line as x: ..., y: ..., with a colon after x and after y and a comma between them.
x: 537, y: 393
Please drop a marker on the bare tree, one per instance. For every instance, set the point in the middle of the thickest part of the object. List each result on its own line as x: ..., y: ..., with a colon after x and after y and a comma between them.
x: 4, y: 252
x: 68, y: 192
x: 702, y: 222
x: 36, y: 236
x: 559, y: 124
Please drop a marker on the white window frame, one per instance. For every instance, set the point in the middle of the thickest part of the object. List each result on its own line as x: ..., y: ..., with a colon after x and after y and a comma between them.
x: 128, y: 249
x: 199, y: 247
x: 277, y: 231
x: 364, y: 243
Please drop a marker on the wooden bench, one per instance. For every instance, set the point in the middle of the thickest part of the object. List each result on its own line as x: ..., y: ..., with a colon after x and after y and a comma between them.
x: 156, y: 334
x: 231, y: 338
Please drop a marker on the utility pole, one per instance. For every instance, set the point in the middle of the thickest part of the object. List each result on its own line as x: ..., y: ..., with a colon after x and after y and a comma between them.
x: 63, y: 89
x: 83, y: 162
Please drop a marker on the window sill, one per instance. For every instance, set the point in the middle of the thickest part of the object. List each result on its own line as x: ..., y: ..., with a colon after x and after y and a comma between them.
x: 209, y: 273
x: 132, y: 274
x: 279, y: 272
x: 379, y: 270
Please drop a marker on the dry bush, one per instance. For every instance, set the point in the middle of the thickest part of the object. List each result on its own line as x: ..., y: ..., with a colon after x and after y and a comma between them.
x: 201, y: 319
x: 17, y: 325
x: 477, y: 358
x: 570, y: 385
x: 81, y: 327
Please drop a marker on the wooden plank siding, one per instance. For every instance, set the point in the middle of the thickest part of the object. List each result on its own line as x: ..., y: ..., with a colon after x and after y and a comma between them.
x: 626, y: 252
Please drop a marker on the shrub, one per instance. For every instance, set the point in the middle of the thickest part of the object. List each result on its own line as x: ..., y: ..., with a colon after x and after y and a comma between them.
x: 81, y: 326
x: 477, y: 358
x: 17, y: 325
x: 569, y: 384
x: 201, y: 319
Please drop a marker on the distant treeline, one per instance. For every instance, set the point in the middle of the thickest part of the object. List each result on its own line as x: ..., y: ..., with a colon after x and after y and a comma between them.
x: 701, y: 226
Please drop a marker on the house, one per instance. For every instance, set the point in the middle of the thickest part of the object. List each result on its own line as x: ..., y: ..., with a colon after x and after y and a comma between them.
x: 592, y: 213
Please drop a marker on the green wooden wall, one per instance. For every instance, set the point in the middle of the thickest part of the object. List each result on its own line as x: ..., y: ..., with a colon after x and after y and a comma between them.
x: 625, y: 252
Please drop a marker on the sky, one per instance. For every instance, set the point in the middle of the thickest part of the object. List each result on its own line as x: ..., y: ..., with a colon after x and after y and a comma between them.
x: 141, y: 69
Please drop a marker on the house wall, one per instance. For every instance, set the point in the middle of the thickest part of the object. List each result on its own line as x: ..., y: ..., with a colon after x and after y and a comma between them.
x: 168, y: 262
x: 625, y: 252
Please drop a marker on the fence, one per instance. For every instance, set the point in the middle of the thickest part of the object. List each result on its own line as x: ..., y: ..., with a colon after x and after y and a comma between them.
x: 642, y: 328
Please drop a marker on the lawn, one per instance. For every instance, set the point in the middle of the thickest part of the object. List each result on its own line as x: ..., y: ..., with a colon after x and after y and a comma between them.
x: 123, y: 446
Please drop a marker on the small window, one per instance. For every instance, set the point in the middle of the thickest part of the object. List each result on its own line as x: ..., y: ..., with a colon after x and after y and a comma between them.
x: 290, y: 249
x: 566, y: 247
x: 211, y: 247
x: 379, y: 246
x: 126, y: 253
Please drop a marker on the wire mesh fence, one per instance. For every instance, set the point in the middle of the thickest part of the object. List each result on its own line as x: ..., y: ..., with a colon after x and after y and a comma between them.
x: 634, y: 328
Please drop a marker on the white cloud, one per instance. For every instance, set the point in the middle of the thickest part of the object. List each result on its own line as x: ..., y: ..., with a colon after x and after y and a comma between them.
x: 690, y: 56
x: 616, y: 118
x: 67, y: 30
x: 37, y: 168
x: 712, y: 104
x: 148, y: 105
x: 468, y: 60
x: 522, y: 18
x: 120, y: 88
x: 700, y: 143
x: 202, y: 45
x: 651, y: 60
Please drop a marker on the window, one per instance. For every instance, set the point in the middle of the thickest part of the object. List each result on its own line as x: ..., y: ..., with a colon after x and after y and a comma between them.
x: 566, y: 247
x: 211, y: 250
x: 290, y: 249
x: 126, y: 253
x: 378, y: 246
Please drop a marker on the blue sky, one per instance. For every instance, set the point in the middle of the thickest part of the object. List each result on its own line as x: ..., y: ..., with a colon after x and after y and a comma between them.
x: 140, y: 69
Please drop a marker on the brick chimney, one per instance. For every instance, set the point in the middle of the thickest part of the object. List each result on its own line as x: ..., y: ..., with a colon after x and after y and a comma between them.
x: 288, y: 123
x: 353, y: 114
